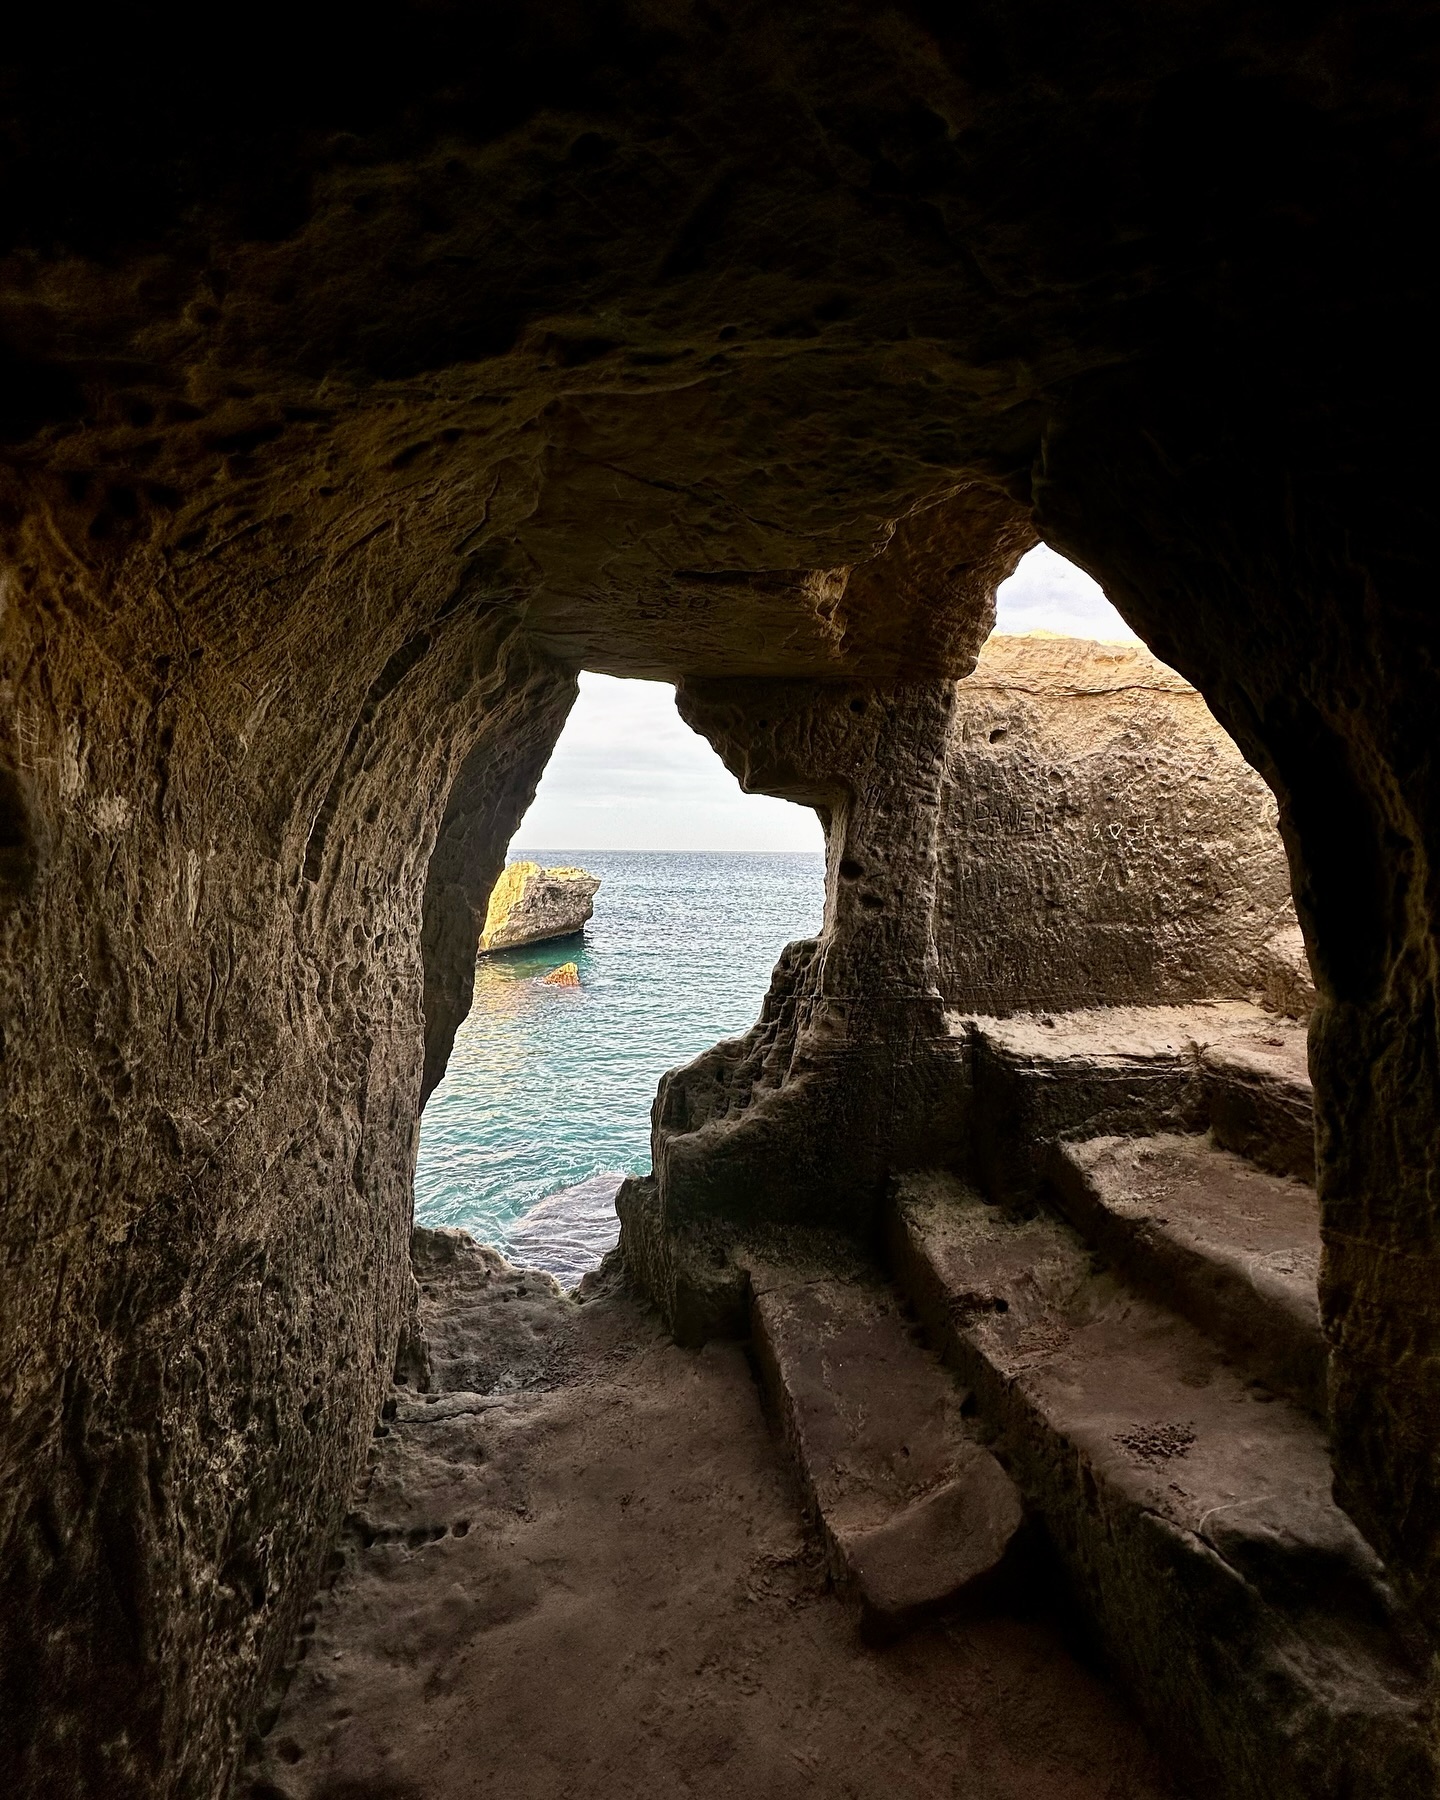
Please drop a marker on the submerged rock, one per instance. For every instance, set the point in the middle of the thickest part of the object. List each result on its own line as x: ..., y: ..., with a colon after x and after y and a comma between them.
x: 529, y: 904
x: 567, y: 1234
x: 567, y: 975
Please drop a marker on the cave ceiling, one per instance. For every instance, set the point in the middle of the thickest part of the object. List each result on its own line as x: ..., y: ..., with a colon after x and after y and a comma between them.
x: 648, y: 323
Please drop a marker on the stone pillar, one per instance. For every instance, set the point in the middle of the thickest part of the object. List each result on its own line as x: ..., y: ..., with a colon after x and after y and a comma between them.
x: 851, y: 1071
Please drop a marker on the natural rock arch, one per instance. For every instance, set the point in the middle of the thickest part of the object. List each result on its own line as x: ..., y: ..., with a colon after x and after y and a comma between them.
x: 352, y: 401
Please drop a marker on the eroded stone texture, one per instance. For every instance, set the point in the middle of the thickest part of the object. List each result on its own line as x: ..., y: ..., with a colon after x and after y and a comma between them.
x: 853, y: 1067
x: 209, y: 1165
x: 914, y: 1511
x: 1103, y: 841
x: 349, y: 388
x: 1066, y: 826
x: 1190, y: 1505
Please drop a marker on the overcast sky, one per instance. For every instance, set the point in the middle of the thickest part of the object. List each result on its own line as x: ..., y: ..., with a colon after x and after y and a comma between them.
x: 629, y: 774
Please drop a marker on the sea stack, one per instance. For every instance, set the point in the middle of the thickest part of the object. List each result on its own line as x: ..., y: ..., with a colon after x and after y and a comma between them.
x: 530, y: 905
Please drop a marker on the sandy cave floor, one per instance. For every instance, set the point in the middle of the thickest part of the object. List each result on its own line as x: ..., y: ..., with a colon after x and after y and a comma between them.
x: 581, y: 1569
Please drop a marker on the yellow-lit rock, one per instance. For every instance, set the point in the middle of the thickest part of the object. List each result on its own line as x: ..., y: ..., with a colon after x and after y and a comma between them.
x: 529, y: 904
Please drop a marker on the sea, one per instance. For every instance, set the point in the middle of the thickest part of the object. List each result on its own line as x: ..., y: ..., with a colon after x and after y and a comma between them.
x: 545, y: 1104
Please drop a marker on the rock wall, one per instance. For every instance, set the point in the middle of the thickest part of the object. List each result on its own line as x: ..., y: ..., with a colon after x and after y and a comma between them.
x: 1103, y: 842
x: 358, y: 387
x: 208, y: 1135
x: 1067, y: 826
x: 490, y: 795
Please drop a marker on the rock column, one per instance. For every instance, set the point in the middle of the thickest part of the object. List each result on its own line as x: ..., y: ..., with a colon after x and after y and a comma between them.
x: 851, y: 1071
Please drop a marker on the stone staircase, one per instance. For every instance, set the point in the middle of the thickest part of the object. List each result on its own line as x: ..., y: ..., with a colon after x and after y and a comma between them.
x: 1223, y: 1067
x: 913, y: 1510
x: 1126, y: 1305
x: 1234, y: 1250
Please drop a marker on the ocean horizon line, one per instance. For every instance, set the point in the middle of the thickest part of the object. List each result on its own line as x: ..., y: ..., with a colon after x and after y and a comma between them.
x: 651, y: 850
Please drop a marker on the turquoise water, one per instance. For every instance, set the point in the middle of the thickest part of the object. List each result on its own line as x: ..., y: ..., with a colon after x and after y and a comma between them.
x: 550, y: 1088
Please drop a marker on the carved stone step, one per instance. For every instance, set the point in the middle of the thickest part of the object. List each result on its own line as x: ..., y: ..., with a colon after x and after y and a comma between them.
x: 1235, y: 1250
x: 1192, y: 1509
x: 913, y: 1510
x: 1258, y: 1097
x: 1224, y: 1066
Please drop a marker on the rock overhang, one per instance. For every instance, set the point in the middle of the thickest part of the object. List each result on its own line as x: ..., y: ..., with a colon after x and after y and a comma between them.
x: 654, y: 341
x: 356, y: 396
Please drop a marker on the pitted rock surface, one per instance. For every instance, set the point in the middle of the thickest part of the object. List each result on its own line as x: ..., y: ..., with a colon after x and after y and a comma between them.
x: 1103, y: 842
x: 357, y: 388
x: 1066, y: 828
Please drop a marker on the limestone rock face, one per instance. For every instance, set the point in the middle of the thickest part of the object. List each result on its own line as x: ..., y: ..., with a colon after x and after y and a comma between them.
x: 206, y: 1231
x: 1286, y: 984
x: 354, y: 396
x: 852, y: 1067
x: 529, y: 904
x: 1067, y: 826
x: 1102, y: 841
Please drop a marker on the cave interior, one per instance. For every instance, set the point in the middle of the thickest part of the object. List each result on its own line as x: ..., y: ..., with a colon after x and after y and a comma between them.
x: 352, y: 400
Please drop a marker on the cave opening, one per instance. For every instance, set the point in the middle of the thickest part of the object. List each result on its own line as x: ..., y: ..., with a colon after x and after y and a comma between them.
x: 1040, y: 1011
x: 750, y: 353
x: 1047, y: 592
x: 544, y: 1107
x: 545, y: 1104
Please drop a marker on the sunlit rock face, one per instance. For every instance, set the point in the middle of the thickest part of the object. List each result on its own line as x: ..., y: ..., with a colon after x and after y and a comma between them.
x: 530, y: 905
x: 1103, y: 841
x: 1067, y: 827
x: 353, y: 397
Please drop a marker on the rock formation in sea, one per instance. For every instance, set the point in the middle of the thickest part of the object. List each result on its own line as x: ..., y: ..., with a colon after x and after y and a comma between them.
x: 359, y: 389
x: 529, y: 905
x: 567, y: 975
